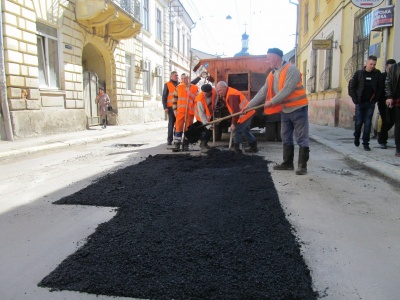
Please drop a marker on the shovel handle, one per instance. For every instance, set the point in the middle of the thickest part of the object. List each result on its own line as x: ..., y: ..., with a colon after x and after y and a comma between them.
x: 233, y: 115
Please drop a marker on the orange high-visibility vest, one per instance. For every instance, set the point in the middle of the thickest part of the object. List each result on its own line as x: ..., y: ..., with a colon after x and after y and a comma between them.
x: 171, y: 90
x: 243, y: 103
x: 184, y: 99
x: 297, y: 98
x: 202, y: 98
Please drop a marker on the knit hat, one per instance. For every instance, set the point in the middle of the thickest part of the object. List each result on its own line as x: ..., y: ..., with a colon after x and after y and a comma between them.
x: 275, y: 51
x: 206, y: 88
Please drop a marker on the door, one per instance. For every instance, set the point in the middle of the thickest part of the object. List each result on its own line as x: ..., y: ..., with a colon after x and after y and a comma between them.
x: 90, y: 88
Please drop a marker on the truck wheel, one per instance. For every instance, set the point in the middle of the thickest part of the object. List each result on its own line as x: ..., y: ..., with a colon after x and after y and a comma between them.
x: 218, y: 132
x: 278, y: 132
x: 270, y: 131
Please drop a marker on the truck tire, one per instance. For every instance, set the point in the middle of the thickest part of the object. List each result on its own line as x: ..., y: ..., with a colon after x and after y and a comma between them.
x: 270, y: 131
x: 218, y: 132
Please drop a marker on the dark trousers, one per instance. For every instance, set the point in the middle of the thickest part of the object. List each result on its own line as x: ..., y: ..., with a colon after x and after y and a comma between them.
x: 171, y: 124
x: 387, y: 123
x: 295, y: 123
x: 364, y: 112
x: 397, y: 128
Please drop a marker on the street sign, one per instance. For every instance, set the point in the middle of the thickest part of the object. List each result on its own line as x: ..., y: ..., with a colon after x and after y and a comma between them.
x: 366, y: 3
x: 321, y: 44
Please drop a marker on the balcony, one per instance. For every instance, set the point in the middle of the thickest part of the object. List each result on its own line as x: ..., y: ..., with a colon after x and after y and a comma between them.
x: 118, y: 19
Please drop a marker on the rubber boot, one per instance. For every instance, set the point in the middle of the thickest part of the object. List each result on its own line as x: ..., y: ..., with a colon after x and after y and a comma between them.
x: 204, y: 146
x: 177, y: 146
x: 304, y: 155
x: 185, y: 145
x: 236, y: 148
x: 252, y: 148
x: 288, y: 155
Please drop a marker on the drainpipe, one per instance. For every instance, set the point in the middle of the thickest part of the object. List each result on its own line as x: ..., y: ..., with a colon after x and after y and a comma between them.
x: 385, y: 41
x: 3, y: 88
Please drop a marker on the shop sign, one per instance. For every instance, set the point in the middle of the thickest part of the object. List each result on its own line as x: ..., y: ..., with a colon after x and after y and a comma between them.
x: 321, y: 44
x: 382, y: 17
x: 366, y: 3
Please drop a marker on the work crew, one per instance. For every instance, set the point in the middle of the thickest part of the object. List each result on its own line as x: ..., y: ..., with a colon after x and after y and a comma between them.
x: 167, y: 99
x: 183, y: 106
x: 283, y: 92
x: 204, y: 106
x: 240, y: 125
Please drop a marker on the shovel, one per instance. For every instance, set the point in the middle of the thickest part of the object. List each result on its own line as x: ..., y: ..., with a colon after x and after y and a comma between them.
x: 193, y: 133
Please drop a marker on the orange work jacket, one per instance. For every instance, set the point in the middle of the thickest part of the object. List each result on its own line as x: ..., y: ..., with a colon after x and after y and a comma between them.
x: 297, y: 98
x: 184, y: 99
x: 243, y: 103
x: 171, y: 90
x: 202, y: 98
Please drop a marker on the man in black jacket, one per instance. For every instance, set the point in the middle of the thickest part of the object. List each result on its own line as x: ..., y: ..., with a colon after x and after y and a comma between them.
x: 392, y: 91
x: 366, y: 87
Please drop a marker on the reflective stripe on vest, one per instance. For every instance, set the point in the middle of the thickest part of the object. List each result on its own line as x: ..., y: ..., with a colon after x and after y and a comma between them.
x: 183, y: 97
x: 202, y: 98
x: 243, y: 103
x: 171, y: 90
x: 297, y: 98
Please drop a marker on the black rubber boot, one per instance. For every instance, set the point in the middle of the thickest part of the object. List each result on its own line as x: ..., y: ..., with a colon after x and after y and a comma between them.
x: 204, y: 146
x: 185, y: 145
x: 288, y: 155
x: 236, y: 148
x: 304, y: 155
x: 252, y: 148
x: 177, y: 146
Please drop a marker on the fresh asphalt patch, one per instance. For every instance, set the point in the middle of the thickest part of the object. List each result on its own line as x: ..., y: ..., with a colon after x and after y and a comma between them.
x: 188, y: 227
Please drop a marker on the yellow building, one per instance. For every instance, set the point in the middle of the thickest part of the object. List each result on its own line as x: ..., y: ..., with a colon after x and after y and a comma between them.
x: 335, y: 37
x: 56, y: 53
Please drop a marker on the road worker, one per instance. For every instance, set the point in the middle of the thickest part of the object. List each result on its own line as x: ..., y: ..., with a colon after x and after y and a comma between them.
x: 283, y: 92
x: 240, y: 125
x: 183, y: 106
x: 204, y: 106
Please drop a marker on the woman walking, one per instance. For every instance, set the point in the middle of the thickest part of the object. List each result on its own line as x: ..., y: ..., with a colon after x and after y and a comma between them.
x: 103, y: 101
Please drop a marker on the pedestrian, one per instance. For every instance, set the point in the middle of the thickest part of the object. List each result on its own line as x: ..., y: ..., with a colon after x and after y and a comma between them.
x: 103, y: 102
x: 392, y: 91
x: 167, y: 99
x: 204, y: 106
x: 183, y: 106
x: 365, y: 88
x: 283, y: 92
x: 386, y: 113
x: 240, y: 125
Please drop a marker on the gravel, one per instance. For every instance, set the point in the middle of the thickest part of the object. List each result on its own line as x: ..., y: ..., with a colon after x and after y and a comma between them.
x: 188, y: 227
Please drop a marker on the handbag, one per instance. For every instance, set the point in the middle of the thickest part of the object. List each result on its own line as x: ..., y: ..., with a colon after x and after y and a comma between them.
x: 109, y: 108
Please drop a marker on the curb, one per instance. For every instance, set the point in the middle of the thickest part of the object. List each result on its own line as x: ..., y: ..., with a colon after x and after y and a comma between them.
x: 385, y: 169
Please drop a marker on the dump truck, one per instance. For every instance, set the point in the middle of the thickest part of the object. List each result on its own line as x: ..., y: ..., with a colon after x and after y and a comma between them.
x: 247, y: 74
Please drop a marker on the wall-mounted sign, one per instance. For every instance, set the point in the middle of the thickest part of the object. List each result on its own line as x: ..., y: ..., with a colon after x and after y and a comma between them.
x: 321, y: 44
x: 382, y: 17
x: 366, y: 3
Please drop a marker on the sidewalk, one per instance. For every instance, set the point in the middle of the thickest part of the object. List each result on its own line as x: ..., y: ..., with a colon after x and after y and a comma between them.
x: 379, y: 160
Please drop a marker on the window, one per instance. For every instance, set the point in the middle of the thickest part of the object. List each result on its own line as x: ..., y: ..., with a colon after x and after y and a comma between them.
x: 326, y: 77
x: 305, y: 73
x: 317, y: 5
x: 160, y: 85
x: 183, y: 44
x: 147, y: 82
x: 47, y: 42
x: 311, y: 81
x: 306, y: 17
x: 146, y: 15
x: 171, y: 41
x: 362, y: 30
x: 129, y: 73
x: 188, y: 47
x: 158, y: 25
x: 178, y: 42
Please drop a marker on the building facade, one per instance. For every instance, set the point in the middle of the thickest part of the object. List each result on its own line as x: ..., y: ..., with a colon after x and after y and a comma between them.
x: 57, y: 53
x: 335, y: 37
